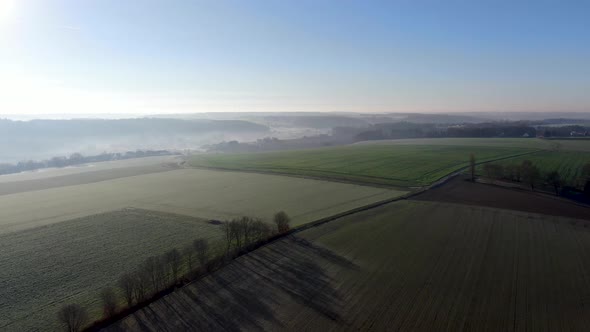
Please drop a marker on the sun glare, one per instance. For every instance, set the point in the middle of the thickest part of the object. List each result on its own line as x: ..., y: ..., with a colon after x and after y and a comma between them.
x: 7, y: 10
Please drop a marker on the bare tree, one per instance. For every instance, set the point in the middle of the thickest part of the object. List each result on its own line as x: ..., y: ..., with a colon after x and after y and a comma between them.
x: 236, y: 233
x: 512, y: 172
x: 150, y: 267
x: 142, y: 282
x: 554, y: 179
x: 260, y: 230
x: 472, y: 167
x: 245, y: 224
x: 127, y: 285
x: 202, y: 249
x: 73, y: 317
x: 162, y: 272
x: 109, y: 302
x: 529, y: 173
x: 585, y: 176
x: 493, y: 171
x: 533, y: 176
x: 227, y: 231
x: 487, y: 170
x: 173, y: 258
x: 282, y: 221
x: 586, y: 171
x: 188, y: 254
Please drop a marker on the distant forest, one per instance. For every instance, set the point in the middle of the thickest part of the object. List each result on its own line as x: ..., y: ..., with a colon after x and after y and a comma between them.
x: 406, y: 129
x: 77, y: 128
x: 490, y: 129
x: 77, y: 159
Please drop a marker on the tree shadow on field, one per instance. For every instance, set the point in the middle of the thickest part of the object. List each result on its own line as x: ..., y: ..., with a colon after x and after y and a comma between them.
x: 251, y: 292
x: 297, y: 267
x: 322, y: 252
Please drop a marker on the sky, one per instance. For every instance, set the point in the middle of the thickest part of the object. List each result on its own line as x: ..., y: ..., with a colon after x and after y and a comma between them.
x: 147, y: 56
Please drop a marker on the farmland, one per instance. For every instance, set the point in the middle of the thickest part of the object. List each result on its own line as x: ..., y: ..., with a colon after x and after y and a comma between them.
x: 64, y: 238
x: 83, y: 175
x: 461, y: 191
x: 387, y: 164
x: 143, y: 165
x: 71, y: 261
x: 530, y: 143
x: 198, y: 193
x: 409, y: 265
x: 65, y: 234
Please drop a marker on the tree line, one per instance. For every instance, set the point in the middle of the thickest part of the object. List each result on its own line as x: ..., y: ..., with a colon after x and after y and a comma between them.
x: 564, y: 131
x: 402, y: 129
x: 160, y: 273
x: 528, y: 173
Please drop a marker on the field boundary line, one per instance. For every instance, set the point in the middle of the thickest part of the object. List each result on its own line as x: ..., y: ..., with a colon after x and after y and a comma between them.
x: 540, y: 193
x: 437, y: 183
x: 444, y: 179
x: 309, y: 177
x: 358, y: 182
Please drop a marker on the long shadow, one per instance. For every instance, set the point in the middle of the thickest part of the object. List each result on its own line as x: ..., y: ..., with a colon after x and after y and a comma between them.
x: 324, y: 253
x: 302, y: 278
x: 248, y: 294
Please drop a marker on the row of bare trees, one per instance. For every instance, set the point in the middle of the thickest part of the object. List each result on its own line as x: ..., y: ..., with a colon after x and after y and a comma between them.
x: 242, y: 232
x: 155, y: 274
x: 527, y: 172
x: 158, y: 273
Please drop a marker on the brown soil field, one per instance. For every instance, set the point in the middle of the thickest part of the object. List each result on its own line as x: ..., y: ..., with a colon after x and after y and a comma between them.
x: 458, y: 190
x: 406, y: 266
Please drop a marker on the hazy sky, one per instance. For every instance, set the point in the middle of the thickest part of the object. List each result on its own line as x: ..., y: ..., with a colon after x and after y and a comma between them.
x: 127, y: 56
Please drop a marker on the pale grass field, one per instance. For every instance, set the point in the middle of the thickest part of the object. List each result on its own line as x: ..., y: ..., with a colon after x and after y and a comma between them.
x: 198, y: 193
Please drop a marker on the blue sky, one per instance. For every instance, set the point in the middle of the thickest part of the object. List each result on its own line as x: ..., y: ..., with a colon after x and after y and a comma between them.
x: 145, y: 56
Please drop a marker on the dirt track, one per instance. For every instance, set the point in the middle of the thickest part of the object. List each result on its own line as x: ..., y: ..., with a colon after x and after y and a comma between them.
x: 460, y: 191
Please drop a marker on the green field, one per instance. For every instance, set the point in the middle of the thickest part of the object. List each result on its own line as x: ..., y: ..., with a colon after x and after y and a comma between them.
x: 406, y: 266
x: 387, y: 164
x: 407, y: 162
x: 531, y: 143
